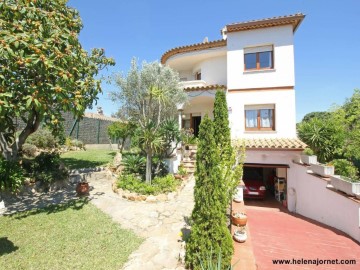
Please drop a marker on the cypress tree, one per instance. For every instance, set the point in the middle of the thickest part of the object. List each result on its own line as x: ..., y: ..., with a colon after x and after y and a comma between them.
x: 230, y: 177
x: 209, y: 232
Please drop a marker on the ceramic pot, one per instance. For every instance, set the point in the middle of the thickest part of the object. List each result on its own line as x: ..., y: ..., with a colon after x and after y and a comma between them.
x: 82, y: 188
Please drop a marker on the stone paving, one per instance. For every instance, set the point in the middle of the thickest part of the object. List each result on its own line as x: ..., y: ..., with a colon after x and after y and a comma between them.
x: 158, y: 223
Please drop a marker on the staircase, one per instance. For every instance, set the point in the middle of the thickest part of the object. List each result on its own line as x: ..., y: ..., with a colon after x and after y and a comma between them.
x: 188, y: 160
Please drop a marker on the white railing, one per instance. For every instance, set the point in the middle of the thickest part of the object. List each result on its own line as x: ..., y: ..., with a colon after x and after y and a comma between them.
x: 195, y: 83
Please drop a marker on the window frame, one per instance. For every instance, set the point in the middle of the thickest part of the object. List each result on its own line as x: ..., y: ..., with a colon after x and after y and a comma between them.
x: 198, y: 76
x: 257, y: 53
x: 258, y: 119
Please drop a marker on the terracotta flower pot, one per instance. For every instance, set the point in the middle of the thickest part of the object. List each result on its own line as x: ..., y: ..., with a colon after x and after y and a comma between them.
x: 82, y: 188
x: 238, y: 219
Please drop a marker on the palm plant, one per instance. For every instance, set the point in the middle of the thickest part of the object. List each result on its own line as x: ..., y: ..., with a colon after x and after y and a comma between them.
x: 134, y: 164
x: 150, y: 141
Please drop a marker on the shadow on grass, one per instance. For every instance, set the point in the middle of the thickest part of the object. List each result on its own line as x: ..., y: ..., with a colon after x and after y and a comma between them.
x: 78, y: 163
x: 73, y: 163
x: 76, y: 204
x: 6, y: 246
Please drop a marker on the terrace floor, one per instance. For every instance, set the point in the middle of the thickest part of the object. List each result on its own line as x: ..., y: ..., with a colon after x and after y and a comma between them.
x: 276, y: 234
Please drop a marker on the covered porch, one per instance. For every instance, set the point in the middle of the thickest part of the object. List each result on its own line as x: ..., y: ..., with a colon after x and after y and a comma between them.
x: 200, y: 102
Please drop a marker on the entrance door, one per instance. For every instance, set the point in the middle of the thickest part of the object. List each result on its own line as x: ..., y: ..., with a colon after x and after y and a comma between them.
x: 196, y: 124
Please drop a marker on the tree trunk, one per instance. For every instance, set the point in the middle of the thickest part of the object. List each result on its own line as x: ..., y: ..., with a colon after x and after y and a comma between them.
x: 122, y: 145
x: 11, y: 151
x: 148, y: 167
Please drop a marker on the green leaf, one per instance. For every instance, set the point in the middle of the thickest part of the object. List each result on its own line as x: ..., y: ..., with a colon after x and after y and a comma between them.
x: 28, y: 102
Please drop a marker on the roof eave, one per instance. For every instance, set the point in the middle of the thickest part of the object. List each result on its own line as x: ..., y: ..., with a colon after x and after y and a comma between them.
x: 294, y: 20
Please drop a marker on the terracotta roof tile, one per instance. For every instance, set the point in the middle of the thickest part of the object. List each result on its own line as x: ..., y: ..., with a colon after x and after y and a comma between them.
x: 207, y: 87
x: 294, y: 19
x: 275, y: 143
x: 192, y: 47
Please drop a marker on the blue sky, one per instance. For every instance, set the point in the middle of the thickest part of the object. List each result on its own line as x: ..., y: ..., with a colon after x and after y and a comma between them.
x: 327, y: 44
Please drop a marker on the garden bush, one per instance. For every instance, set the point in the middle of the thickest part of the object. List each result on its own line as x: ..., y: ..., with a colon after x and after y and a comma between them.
x: 134, y: 164
x: 11, y: 175
x: 345, y: 168
x: 29, y: 150
x: 42, y: 138
x: 47, y: 168
x: 69, y: 143
x: 159, y: 185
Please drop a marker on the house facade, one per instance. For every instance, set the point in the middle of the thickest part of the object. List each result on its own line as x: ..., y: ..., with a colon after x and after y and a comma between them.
x: 254, y: 63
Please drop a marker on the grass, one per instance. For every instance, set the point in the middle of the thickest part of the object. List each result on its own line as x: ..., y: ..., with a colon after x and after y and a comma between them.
x: 87, y: 159
x: 75, y: 235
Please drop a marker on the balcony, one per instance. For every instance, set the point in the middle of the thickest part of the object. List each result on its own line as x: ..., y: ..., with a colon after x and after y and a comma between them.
x: 194, y: 83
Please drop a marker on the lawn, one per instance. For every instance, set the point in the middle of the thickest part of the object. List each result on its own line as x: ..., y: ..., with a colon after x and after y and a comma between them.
x: 75, y: 235
x: 87, y: 159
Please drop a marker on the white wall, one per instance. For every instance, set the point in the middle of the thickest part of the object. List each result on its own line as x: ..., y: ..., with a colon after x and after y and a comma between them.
x: 271, y: 157
x: 213, y: 70
x: 200, y: 105
x: 285, y: 118
x: 282, y: 75
x: 313, y: 200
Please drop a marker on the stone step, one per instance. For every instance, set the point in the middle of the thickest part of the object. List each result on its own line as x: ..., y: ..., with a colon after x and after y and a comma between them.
x: 186, y: 166
x: 190, y: 170
x: 188, y: 161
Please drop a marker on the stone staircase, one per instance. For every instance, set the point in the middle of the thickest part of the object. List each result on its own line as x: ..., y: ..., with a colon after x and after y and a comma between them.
x: 188, y: 160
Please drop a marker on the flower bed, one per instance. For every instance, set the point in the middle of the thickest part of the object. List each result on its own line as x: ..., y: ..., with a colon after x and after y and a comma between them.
x: 166, y: 191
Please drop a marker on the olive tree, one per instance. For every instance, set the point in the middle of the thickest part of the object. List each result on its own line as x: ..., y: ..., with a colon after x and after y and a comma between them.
x: 148, y: 96
x: 44, y: 70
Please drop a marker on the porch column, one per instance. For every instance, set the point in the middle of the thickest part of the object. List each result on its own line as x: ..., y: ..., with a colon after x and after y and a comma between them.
x: 180, y: 119
x: 180, y: 108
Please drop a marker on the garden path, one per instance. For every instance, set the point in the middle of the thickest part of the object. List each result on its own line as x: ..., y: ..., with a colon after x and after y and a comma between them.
x: 159, y: 223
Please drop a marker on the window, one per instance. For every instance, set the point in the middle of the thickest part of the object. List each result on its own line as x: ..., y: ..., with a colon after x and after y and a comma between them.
x: 258, y: 58
x: 260, y: 117
x: 198, y: 75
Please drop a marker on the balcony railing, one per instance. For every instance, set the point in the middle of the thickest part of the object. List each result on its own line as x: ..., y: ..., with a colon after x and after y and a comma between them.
x: 195, y: 83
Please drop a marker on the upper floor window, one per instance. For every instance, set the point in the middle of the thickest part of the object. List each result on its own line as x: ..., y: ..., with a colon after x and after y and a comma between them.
x: 198, y: 75
x: 258, y: 58
x: 260, y: 117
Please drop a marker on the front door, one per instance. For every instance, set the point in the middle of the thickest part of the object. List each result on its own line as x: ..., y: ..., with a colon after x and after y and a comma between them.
x: 196, y: 124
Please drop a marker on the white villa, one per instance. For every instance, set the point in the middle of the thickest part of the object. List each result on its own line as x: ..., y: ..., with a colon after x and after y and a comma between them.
x: 254, y: 64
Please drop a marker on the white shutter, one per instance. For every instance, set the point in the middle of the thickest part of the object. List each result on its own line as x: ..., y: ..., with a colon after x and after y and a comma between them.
x: 258, y: 49
x: 259, y: 106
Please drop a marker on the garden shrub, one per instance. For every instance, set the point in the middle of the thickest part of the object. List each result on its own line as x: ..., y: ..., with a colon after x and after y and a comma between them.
x: 29, y: 150
x: 11, y: 175
x: 69, y: 143
x: 345, y: 168
x: 42, y: 138
x: 47, y: 168
x: 134, y: 164
x: 159, y: 184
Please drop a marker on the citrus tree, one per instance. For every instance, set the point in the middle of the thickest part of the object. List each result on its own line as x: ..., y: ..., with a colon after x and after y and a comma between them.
x: 44, y: 70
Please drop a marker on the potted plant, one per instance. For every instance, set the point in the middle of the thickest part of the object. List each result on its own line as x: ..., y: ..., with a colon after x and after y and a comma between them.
x: 240, y: 234
x: 182, y: 172
x: 325, y: 170
x: 345, y: 184
x: 308, y: 157
x: 239, y: 218
x: 189, y: 140
x: 82, y: 188
x: 239, y: 195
